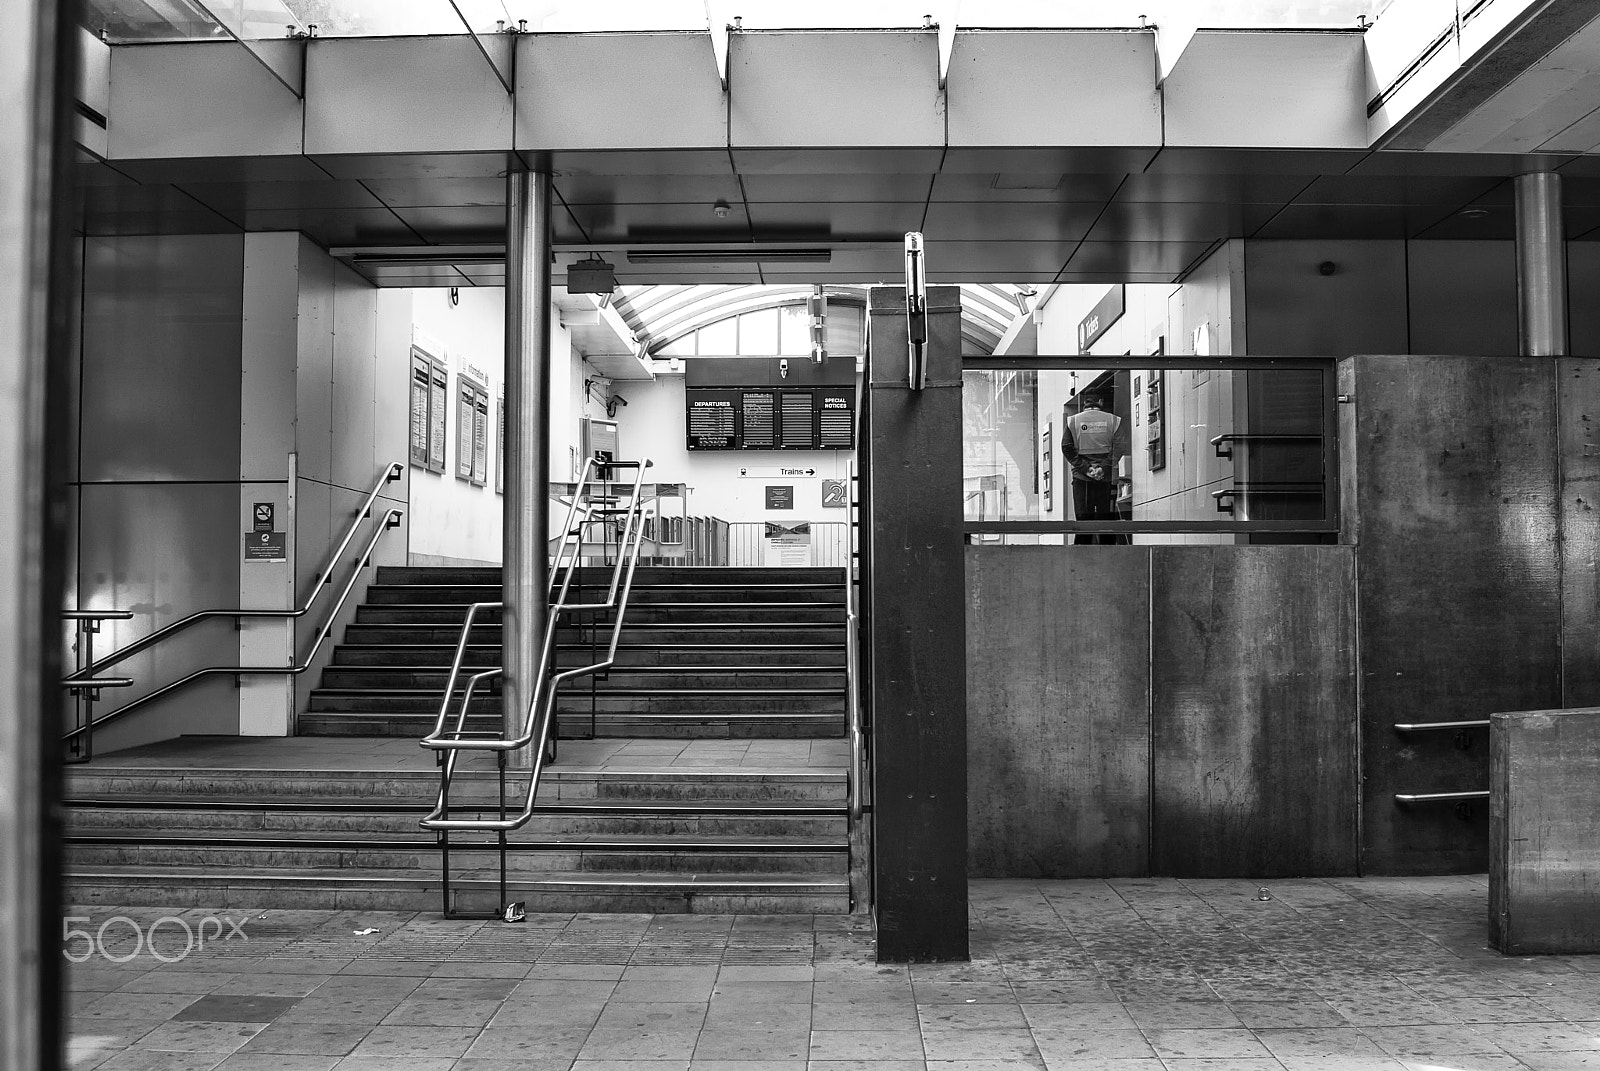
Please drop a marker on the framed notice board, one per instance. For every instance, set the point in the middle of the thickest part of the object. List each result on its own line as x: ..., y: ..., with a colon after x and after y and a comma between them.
x: 770, y: 418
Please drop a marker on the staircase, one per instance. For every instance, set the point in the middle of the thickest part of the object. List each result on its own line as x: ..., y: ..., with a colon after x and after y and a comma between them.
x: 751, y: 658
x: 704, y: 652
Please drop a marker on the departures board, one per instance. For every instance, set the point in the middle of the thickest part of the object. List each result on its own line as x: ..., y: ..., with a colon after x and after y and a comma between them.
x: 777, y: 418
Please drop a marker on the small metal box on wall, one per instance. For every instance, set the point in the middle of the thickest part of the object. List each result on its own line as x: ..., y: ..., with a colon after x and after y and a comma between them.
x: 599, y: 439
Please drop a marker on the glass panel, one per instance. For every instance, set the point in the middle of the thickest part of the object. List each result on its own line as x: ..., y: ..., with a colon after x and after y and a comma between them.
x: 794, y: 332
x: 682, y: 346
x: 1167, y: 444
x: 758, y: 334
x: 720, y: 339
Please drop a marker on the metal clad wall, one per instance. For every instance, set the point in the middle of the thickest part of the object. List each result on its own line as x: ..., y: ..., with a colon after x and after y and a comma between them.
x: 1058, y: 729
x: 1253, y: 711
x: 561, y: 104
x: 158, y: 429
x: 1578, y: 398
x: 1463, y: 297
x: 1459, y: 586
x: 196, y: 99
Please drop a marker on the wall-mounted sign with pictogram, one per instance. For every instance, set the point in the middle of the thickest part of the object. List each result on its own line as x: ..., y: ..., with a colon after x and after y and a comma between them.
x: 835, y: 494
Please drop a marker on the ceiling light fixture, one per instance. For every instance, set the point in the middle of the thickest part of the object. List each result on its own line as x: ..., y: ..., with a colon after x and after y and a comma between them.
x: 1474, y: 212
x: 720, y: 209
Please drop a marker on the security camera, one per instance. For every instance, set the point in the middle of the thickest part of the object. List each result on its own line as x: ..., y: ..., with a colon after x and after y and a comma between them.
x: 783, y: 369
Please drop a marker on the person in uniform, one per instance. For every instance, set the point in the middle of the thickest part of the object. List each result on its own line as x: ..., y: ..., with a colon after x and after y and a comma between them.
x: 1092, y: 444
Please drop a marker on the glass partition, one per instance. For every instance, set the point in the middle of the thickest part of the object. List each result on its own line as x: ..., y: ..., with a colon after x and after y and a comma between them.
x: 1149, y: 450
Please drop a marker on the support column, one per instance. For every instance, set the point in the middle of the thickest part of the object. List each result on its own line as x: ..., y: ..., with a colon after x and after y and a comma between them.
x: 915, y: 639
x: 1541, y: 266
x: 36, y: 89
x: 525, y: 581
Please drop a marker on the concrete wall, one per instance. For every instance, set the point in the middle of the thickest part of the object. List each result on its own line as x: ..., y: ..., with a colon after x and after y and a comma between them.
x: 454, y: 521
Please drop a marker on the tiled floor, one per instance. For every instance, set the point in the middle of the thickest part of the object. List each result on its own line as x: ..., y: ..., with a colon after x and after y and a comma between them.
x: 342, y: 753
x: 1159, y: 975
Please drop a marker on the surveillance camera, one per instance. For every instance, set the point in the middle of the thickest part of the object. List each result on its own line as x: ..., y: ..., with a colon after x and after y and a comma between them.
x: 783, y: 369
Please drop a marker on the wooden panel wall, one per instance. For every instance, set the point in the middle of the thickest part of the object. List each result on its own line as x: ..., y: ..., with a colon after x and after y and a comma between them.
x: 1253, y: 711
x: 1058, y: 711
x: 1453, y: 466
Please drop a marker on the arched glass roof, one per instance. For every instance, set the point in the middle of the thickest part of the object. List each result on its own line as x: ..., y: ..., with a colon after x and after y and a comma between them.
x: 660, y: 315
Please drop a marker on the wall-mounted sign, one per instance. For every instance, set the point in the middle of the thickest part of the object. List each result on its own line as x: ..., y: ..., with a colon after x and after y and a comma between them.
x: 1107, y: 312
x: 777, y: 472
x: 261, y: 517
x: 266, y: 547
x: 780, y: 496
x: 835, y: 494
x: 776, y: 418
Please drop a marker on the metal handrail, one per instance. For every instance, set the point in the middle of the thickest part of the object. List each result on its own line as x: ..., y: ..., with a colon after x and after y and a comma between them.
x: 1219, y: 441
x: 1439, y: 797
x: 455, y: 664
x: 1430, y: 726
x: 538, y: 719
x: 392, y: 473
x: 852, y: 666
x: 391, y: 520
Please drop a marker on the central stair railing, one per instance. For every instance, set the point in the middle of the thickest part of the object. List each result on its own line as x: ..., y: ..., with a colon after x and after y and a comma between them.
x: 594, y: 502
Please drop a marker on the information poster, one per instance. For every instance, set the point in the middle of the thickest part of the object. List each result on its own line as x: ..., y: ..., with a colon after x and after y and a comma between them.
x: 789, y: 545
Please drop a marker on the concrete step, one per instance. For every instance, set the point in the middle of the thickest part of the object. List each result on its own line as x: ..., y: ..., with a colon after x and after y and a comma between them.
x: 430, y: 594
x: 687, y: 726
x: 375, y: 633
x: 616, y: 679
x: 680, y: 614
x: 750, y: 819
x: 558, y: 785
x: 702, y: 575
x: 421, y: 852
x: 486, y: 656
x: 472, y: 891
x: 742, y: 702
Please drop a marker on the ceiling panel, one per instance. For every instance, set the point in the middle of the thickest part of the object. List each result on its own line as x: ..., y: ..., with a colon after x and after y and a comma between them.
x: 1049, y: 159
x: 446, y: 226
x: 1168, y: 222
x: 580, y: 189
x: 619, y: 223
x: 1165, y: 259
x: 1208, y: 161
x: 869, y: 222
x: 1221, y: 187
x: 425, y: 192
x: 416, y: 165
x: 225, y: 169
x: 155, y: 208
x: 1059, y: 222
x: 412, y: 274
x: 1365, y: 189
x: 638, y: 162
x: 865, y: 161
x: 808, y: 188
x: 336, y: 226
x: 1024, y: 186
x: 238, y: 198
x: 1377, y: 221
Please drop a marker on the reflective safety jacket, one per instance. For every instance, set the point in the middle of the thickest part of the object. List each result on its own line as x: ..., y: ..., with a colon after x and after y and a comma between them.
x: 1090, y: 442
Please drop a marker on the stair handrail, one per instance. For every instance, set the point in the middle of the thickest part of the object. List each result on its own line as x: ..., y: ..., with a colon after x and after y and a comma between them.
x: 364, y: 559
x: 391, y: 473
x: 852, y: 682
x: 571, y: 535
x: 536, y: 724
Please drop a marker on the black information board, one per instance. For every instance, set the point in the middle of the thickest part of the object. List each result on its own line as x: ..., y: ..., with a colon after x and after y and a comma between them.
x: 711, y: 423
x: 781, y: 418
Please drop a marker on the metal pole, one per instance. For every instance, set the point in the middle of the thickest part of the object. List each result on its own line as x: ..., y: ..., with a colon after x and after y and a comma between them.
x: 1541, y: 266
x: 37, y: 74
x: 526, y: 579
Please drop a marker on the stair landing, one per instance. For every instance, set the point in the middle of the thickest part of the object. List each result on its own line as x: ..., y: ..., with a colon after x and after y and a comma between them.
x: 316, y: 792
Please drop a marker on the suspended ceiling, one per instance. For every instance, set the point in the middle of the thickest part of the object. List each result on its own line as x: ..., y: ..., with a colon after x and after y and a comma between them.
x: 803, y: 157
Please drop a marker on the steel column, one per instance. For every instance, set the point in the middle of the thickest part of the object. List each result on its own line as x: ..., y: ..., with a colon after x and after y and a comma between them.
x: 525, y: 582
x: 1541, y: 266
x: 915, y: 636
x: 37, y: 76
